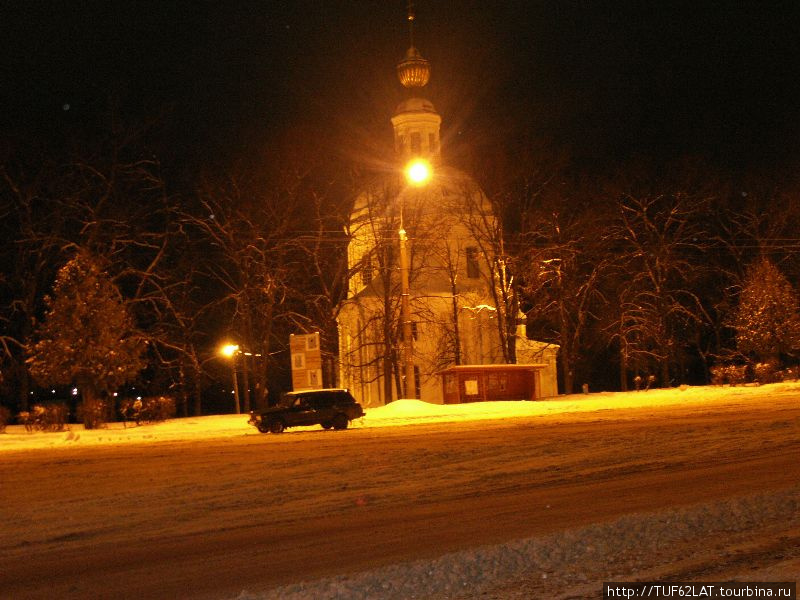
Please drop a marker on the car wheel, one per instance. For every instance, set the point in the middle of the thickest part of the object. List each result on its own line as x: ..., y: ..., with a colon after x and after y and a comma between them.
x: 276, y: 426
x: 340, y: 421
x: 326, y: 425
x: 262, y: 427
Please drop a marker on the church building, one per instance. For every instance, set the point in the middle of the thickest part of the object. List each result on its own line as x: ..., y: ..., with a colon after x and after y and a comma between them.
x: 429, y: 293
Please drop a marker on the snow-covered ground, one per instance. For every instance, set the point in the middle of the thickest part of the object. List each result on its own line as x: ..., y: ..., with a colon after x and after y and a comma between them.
x: 669, y: 545
x: 399, y: 413
x: 70, y: 492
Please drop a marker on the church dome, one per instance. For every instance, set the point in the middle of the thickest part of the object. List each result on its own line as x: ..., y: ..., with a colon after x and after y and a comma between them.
x: 415, y: 105
x: 413, y: 71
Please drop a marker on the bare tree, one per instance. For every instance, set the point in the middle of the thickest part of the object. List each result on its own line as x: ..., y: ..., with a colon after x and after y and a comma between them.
x: 34, y: 220
x: 475, y: 213
x: 374, y: 291
x: 563, y: 261
x: 660, y: 241
x: 248, y: 255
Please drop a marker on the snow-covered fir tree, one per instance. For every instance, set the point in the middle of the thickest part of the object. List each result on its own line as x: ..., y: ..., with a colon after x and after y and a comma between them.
x: 767, y: 320
x: 86, y: 338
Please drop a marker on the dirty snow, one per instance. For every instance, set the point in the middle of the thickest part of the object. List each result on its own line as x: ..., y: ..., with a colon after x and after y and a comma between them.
x: 748, y: 537
x: 574, y: 563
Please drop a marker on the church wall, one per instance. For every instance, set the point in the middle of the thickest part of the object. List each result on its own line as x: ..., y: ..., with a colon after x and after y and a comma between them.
x: 453, y: 236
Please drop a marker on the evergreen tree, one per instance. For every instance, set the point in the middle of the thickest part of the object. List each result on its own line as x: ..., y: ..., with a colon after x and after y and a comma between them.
x: 767, y: 320
x: 86, y: 337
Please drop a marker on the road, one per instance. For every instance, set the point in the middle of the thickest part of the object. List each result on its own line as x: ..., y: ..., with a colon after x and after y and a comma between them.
x: 207, y: 520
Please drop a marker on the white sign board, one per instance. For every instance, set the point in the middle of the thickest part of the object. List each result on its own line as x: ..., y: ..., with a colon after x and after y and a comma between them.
x: 306, y: 361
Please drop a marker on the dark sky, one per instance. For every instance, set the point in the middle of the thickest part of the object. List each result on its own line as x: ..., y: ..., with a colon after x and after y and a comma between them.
x: 608, y: 80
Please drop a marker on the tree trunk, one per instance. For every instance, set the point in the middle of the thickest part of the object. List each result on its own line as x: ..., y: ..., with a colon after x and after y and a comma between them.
x: 623, y: 369
x: 198, y: 399
x: 665, y: 373
x: 566, y: 365
x: 91, y: 408
x: 388, y: 395
x: 24, y: 388
x: 456, y: 329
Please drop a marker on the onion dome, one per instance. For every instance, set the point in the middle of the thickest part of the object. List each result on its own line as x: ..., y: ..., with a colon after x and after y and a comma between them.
x: 413, y: 71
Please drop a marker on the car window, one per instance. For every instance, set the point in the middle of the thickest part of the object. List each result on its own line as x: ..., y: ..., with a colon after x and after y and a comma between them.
x: 324, y: 401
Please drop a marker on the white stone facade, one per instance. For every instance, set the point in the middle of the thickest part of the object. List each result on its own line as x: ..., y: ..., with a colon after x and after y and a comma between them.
x: 460, y: 298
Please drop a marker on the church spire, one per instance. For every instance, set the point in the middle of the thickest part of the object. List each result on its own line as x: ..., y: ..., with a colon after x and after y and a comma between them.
x: 416, y: 122
x: 411, y: 17
x: 413, y: 71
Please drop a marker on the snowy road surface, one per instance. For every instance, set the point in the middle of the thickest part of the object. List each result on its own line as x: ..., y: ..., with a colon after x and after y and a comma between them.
x: 509, y: 500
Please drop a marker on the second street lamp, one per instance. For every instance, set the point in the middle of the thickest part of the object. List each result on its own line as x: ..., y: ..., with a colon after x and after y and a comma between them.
x: 230, y: 351
x: 233, y: 352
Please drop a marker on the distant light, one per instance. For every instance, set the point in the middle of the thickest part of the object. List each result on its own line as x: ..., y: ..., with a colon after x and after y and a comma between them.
x: 419, y: 171
x: 74, y: 391
x: 115, y: 394
x: 229, y: 350
x: 138, y: 397
x: 53, y: 391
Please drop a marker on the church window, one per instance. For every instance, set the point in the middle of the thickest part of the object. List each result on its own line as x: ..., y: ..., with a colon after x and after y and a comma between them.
x: 416, y: 142
x: 473, y: 267
x: 366, y: 270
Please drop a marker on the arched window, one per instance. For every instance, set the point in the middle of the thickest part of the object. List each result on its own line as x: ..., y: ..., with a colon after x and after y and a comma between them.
x: 416, y: 142
x: 473, y: 266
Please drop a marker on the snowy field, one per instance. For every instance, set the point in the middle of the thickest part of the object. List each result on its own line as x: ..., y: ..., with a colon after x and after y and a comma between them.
x: 399, y: 413
x: 148, y: 487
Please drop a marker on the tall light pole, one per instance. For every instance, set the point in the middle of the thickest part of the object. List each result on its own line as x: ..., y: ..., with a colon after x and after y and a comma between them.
x: 418, y: 173
x: 230, y: 351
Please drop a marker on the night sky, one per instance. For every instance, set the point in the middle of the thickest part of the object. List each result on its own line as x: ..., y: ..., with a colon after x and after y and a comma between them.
x: 608, y: 81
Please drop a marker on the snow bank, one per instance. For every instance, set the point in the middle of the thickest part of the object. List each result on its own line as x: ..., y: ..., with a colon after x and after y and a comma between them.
x: 195, y: 428
x: 559, y: 565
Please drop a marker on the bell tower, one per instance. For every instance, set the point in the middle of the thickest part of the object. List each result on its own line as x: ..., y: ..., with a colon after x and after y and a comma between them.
x: 416, y: 122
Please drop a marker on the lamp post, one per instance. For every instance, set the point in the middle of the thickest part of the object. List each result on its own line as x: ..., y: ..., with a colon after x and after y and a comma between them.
x: 230, y: 351
x: 418, y: 173
x: 233, y: 351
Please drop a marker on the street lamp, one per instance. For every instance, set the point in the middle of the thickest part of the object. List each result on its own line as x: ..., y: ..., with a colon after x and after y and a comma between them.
x: 418, y: 173
x: 234, y: 351
x: 230, y: 351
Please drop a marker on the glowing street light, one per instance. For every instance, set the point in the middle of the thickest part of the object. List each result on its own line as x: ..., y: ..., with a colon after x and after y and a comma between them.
x: 419, y: 172
x: 230, y: 351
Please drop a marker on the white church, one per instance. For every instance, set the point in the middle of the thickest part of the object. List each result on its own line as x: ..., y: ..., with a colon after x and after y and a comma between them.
x: 430, y: 311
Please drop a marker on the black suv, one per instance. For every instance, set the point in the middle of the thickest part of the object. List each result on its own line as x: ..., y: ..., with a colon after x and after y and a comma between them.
x: 329, y: 408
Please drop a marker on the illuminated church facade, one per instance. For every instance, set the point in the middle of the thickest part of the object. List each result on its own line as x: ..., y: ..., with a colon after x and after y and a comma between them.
x: 425, y: 263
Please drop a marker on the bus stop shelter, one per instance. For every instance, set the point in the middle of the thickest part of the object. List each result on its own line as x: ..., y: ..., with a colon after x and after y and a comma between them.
x: 482, y: 383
